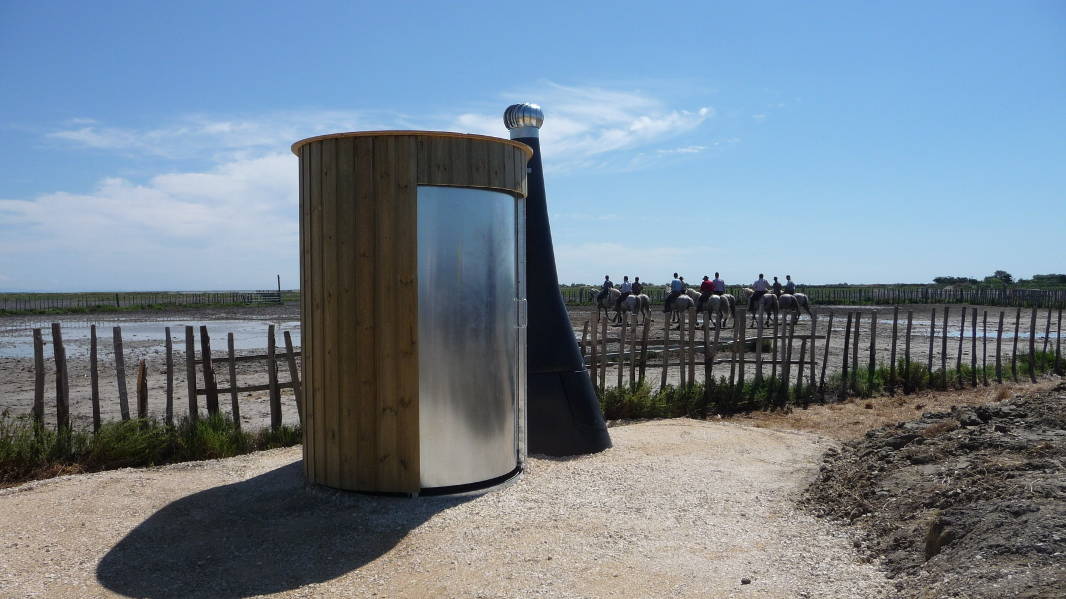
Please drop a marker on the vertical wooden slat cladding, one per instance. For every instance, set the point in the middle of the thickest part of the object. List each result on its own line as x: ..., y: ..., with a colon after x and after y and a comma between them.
x: 364, y: 360
x: 305, y: 291
x: 359, y: 277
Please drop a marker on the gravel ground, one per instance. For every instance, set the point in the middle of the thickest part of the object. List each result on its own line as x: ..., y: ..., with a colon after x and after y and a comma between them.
x: 677, y: 508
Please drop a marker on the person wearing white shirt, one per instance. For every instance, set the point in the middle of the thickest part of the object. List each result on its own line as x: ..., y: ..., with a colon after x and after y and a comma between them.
x: 626, y: 288
x: 761, y: 286
x: 790, y: 286
x: 719, y: 284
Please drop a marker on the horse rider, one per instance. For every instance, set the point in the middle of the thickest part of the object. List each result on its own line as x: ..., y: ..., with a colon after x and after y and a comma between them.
x: 638, y: 287
x: 626, y: 288
x: 605, y: 288
x: 677, y: 286
x: 776, y: 287
x: 718, y: 284
x: 761, y: 286
x: 790, y: 286
x: 706, y: 289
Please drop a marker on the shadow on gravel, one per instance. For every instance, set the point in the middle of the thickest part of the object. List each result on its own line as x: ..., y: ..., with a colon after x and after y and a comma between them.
x: 264, y: 535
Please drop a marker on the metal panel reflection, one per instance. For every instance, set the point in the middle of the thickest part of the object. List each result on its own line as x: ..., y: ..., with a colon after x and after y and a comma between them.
x: 468, y: 336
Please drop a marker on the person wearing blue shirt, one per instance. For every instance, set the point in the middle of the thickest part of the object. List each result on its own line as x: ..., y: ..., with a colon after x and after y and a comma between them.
x: 676, y: 287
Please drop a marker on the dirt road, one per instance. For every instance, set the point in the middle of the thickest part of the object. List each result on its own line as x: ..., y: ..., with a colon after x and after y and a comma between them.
x: 677, y: 508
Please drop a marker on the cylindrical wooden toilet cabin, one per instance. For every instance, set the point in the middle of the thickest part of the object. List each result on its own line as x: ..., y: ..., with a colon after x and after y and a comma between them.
x: 412, y: 262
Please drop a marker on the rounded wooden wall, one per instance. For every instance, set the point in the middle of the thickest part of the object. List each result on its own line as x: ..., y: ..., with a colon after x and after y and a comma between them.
x: 359, y: 287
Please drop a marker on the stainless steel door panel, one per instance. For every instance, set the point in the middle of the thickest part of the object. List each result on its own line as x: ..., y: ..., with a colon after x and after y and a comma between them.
x: 467, y: 334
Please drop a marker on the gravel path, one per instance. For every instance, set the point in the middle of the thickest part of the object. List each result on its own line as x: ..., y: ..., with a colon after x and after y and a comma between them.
x: 677, y: 508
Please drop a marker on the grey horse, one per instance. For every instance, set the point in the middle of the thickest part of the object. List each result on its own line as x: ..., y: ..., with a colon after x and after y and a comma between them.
x: 767, y: 306
x: 714, y: 305
x: 793, y: 303
x: 635, y: 303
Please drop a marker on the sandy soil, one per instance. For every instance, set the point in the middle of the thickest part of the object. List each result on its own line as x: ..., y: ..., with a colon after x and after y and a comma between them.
x: 962, y: 503
x: 676, y: 509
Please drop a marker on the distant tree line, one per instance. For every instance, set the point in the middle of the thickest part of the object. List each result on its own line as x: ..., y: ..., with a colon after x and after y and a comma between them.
x: 1002, y: 278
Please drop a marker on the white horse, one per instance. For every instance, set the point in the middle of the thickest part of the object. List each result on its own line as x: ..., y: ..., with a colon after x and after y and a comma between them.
x: 767, y: 306
x: 680, y: 305
x: 713, y: 305
x: 635, y: 303
x: 793, y: 303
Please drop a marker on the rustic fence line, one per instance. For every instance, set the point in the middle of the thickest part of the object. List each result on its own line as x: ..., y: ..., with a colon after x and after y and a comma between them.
x: 67, y: 301
x: 858, y: 375
x: 207, y: 363
x: 829, y: 295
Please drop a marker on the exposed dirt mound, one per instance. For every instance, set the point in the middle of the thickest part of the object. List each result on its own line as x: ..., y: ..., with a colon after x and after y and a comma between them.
x: 966, y: 503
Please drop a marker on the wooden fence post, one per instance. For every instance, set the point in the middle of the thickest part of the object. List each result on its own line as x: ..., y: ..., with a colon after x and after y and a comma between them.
x: 1032, y: 346
x: 799, y: 373
x: 772, y: 383
x: 622, y: 350
x: 94, y: 379
x: 142, y: 389
x: 603, y: 353
x: 786, y: 368
x: 272, y: 374
x: 584, y: 337
x: 825, y: 358
x: 59, y: 352
x: 929, y: 357
x: 682, y: 360
x: 714, y: 345
x: 999, y: 344
x: 984, y: 347
x: 120, y: 373
x: 168, y: 411
x: 908, y: 386
x: 1058, y: 343
x: 210, y: 386
x: 944, y: 353
x: 594, y: 355
x: 973, y: 347
x: 692, y: 347
x: 871, y: 368
x: 38, y: 377
x: 958, y: 355
x: 1047, y: 331
x: 644, y: 349
x: 666, y: 350
x: 1014, y: 351
x: 294, y: 376
x: 741, y: 349
x: 190, y: 373
x: 235, y: 407
x: 892, y: 360
x: 633, y: 354
x: 855, y: 357
x: 758, y: 351
x: 843, y: 394
x: 814, y: 328
x: 707, y: 355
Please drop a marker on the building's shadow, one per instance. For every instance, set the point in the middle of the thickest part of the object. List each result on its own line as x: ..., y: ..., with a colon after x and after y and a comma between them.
x: 260, y: 536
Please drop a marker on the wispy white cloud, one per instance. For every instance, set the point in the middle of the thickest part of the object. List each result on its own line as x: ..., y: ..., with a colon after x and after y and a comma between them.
x: 583, y: 123
x: 231, y: 222
x: 236, y: 222
x: 681, y: 150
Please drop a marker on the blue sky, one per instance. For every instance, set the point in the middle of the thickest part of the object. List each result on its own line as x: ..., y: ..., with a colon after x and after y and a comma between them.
x: 145, y: 145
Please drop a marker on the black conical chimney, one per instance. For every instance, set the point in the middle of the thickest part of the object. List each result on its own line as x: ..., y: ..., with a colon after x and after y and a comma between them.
x: 564, y: 415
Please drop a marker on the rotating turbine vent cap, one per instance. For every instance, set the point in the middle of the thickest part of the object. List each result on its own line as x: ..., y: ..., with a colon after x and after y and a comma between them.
x: 523, y: 120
